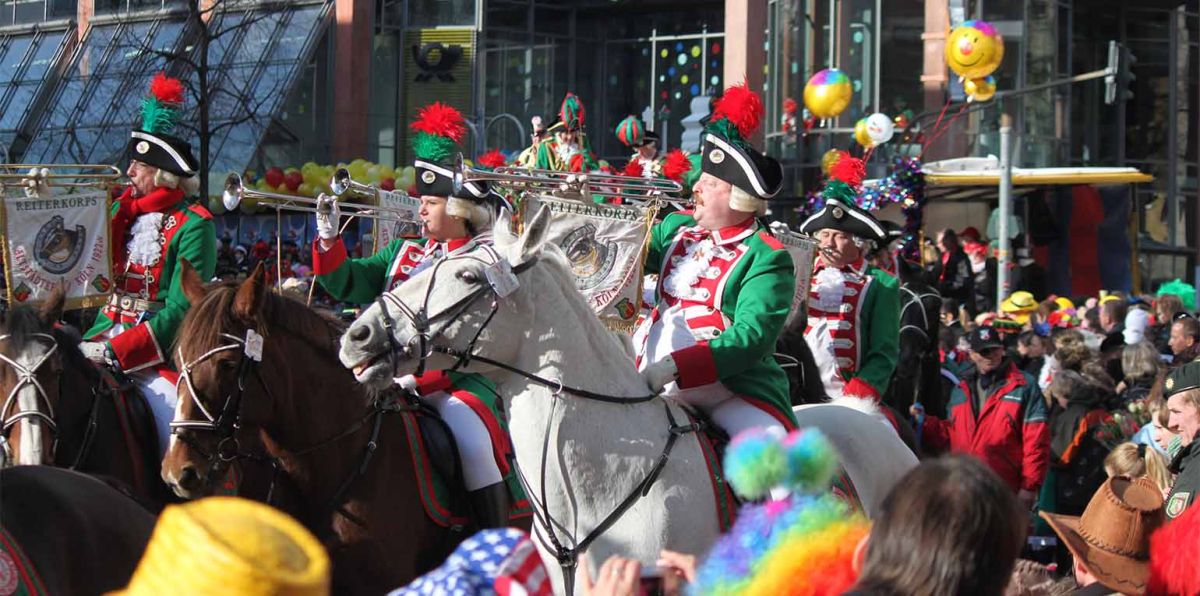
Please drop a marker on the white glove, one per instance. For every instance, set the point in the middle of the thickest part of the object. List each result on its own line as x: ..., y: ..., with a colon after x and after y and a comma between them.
x: 329, y: 216
x: 95, y: 351
x: 660, y: 374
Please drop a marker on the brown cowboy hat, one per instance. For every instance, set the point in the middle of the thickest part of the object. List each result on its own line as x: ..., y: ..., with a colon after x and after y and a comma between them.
x: 1112, y: 538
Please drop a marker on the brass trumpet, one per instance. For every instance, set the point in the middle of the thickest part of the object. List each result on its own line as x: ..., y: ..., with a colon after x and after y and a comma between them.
x: 235, y: 192
x: 568, y: 184
x: 30, y: 176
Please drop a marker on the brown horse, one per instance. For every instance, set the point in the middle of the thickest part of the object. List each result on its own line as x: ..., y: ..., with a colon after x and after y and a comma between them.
x: 342, y: 449
x: 58, y: 409
x: 78, y: 534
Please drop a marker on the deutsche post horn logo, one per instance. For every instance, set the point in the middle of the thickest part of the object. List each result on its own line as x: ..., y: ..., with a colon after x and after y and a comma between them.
x: 58, y: 249
x: 447, y: 59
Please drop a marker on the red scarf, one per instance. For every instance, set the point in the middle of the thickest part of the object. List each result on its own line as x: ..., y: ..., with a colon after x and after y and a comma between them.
x: 129, y: 208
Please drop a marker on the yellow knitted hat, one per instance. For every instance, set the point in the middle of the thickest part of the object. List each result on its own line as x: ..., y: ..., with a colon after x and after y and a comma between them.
x: 227, y: 545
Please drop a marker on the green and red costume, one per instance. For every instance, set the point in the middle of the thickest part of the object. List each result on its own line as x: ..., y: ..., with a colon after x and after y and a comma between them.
x: 859, y: 328
x: 735, y: 307
x: 147, y: 302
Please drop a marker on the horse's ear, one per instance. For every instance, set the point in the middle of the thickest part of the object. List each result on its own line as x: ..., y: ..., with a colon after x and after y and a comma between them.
x: 532, y: 237
x: 190, y: 282
x: 911, y: 272
x: 250, y: 294
x: 52, y: 308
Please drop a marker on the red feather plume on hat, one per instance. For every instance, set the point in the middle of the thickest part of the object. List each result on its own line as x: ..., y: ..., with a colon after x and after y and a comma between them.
x: 166, y: 89
x: 633, y: 169
x: 850, y: 170
x: 492, y: 159
x: 742, y: 107
x: 676, y: 165
x: 441, y: 120
x: 1173, y: 551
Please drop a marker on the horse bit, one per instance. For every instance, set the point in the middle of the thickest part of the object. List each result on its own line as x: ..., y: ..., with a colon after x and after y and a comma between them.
x: 567, y: 558
x: 27, y: 376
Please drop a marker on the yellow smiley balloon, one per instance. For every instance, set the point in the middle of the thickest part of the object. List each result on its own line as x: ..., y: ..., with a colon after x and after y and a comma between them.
x: 974, y: 49
x: 980, y: 89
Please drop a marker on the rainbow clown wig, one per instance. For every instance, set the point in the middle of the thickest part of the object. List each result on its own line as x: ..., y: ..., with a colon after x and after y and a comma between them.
x: 805, y: 544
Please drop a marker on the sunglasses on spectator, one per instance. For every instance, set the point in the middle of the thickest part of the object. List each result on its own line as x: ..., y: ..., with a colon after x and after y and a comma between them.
x: 1179, y: 316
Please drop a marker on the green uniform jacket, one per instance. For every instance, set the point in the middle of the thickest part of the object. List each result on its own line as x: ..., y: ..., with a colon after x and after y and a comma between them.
x: 1183, y: 493
x: 755, y: 292
x: 187, y: 233
x: 361, y: 281
x: 881, y: 347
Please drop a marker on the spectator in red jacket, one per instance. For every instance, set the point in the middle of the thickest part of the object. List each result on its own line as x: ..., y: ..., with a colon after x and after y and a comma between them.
x: 997, y: 414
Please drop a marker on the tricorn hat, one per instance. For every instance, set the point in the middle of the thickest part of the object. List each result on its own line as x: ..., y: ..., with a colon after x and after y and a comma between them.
x: 727, y: 153
x: 152, y: 143
x: 1112, y: 537
x: 841, y: 211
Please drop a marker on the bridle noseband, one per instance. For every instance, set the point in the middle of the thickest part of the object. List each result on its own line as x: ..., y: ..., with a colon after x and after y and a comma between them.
x: 28, y: 376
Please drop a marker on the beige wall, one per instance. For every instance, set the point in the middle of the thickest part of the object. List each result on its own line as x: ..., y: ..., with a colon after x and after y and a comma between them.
x: 944, y: 214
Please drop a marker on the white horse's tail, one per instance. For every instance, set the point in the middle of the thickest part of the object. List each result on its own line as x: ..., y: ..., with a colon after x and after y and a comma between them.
x: 865, y: 406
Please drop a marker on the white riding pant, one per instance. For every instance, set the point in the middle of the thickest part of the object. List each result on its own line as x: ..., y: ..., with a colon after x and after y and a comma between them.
x: 161, y: 397
x: 658, y: 339
x: 472, y: 437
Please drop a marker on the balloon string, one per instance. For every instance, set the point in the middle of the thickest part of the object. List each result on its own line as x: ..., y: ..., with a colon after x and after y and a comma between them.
x: 944, y: 128
x: 933, y: 130
x: 867, y: 156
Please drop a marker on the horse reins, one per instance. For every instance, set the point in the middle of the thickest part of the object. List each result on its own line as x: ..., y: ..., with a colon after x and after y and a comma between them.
x: 568, y: 558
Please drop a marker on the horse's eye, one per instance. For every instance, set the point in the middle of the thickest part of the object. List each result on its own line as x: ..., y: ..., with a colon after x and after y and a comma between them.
x: 468, y: 276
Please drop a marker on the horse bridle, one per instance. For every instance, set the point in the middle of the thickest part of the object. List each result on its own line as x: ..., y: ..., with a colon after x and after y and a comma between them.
x: 27, y: 376
x: 226, y: 424
x: 568, y: 558
x: 919, y: 300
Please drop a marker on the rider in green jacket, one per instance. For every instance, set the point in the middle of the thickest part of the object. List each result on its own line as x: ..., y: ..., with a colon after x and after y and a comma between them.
x: 726, y: 285
x: 453, y: 223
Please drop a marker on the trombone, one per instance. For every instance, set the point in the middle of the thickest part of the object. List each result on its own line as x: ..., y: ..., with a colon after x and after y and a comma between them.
x: 31, y: 176
x: 236, y: 191
x: 568, y: 184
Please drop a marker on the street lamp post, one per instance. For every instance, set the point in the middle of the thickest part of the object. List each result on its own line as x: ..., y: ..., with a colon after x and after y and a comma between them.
x: 1005, y: 253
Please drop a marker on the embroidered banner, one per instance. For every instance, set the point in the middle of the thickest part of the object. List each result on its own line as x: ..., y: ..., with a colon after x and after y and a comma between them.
x: 54, y: 240
x: 804, y: 252
x: 606, y: 248
x: 407, y: 224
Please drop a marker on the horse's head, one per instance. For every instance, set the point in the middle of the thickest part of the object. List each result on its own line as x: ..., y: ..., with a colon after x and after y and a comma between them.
x: 32, y: 354
x: 920, y: 308
x: 221, y: 395
x: 478, y: 303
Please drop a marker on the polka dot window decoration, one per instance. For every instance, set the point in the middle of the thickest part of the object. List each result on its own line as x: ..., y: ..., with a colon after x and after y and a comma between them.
x: 681, y: 59
x: 695, y: 51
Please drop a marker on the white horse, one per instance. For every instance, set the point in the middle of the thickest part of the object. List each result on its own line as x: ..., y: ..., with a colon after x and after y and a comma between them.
x: 581, y: 458
x: 557, y: 367
x: 870, y: 451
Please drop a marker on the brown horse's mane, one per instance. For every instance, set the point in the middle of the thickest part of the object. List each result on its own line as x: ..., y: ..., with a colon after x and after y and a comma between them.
x: 23, y: 322
x: 201, y: 329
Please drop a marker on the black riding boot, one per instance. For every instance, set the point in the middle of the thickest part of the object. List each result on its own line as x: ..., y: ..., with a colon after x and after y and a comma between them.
x: 490, y: 506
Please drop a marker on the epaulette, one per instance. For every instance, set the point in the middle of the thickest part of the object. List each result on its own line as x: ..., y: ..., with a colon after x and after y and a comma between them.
x: 200, y: 210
